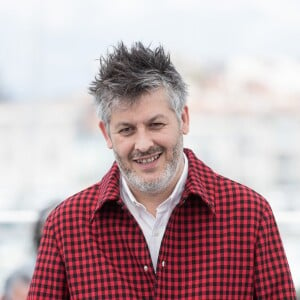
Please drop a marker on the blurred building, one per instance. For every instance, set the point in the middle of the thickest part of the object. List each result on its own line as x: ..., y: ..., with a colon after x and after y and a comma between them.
x: 48, y: 150
x: 249, y: 110
x: 245, y: 124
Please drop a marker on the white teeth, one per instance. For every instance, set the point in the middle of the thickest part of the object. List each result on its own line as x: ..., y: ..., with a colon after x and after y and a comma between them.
x: 147, y: 160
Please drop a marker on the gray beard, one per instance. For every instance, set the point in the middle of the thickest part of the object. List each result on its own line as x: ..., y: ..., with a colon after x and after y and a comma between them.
x: 160, y: 183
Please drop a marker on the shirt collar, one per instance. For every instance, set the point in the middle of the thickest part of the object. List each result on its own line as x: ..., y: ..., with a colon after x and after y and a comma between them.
x: 171, y: 201
x: 201, y: 182
x: 108, y: 189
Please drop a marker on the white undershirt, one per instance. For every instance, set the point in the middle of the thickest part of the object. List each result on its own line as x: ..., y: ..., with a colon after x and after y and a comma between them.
x: 154, y: 227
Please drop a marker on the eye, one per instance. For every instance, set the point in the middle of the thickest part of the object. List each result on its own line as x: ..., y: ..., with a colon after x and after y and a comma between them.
x: 126, y: 131
x: 156, y: 125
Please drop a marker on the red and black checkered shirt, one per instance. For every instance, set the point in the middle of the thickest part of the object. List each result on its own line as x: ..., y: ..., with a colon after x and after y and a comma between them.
x: 221, y: 242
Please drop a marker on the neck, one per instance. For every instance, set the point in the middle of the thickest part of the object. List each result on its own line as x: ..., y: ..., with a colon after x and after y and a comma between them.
x: 151, y: 201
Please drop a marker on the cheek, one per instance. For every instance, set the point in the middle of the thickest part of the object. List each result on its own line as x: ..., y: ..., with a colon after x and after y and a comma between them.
x: 122, y: 147
x: 169, y: 141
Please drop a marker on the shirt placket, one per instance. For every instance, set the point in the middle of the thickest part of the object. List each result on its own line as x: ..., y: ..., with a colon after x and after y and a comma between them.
x: 163, y: 267
x: 155, y: 238
x: 142, y: 257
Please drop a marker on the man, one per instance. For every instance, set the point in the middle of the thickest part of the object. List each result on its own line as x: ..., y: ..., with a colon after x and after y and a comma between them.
x: 17, y: 284
x: 160, y: 224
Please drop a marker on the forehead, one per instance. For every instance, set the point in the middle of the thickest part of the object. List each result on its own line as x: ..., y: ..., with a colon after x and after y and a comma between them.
x: 147, y: 105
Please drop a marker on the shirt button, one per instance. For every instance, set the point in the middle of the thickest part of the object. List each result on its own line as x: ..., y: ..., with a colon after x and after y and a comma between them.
x: 156, y: 233
x: 145, y: 268
x: 163, y: 264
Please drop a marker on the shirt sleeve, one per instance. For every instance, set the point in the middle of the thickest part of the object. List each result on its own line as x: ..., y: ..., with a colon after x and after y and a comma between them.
x: 272, y: 274
x: 49, y: 278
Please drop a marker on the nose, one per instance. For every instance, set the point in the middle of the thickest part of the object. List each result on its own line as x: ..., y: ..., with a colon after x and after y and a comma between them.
x: 143, y: 141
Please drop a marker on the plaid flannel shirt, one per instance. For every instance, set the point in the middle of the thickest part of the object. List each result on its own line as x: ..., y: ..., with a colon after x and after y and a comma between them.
x: 221, y: 242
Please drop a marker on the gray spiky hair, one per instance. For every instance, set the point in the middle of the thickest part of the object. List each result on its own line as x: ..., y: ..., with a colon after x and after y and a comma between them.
x: 127, y: 73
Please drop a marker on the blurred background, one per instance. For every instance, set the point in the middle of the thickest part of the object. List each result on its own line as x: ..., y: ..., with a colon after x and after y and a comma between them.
x: 241, y: 60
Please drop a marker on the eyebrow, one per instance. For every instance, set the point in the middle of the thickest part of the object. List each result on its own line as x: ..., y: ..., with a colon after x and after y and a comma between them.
x: 122, y: 124
x: 158, y: 116
x: 154, y: 118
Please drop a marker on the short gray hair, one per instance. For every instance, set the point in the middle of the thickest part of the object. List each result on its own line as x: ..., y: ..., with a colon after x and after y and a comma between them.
x: 127, y: 73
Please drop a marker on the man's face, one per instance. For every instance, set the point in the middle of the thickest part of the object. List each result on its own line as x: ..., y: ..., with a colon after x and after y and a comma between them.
x: 147, y: 141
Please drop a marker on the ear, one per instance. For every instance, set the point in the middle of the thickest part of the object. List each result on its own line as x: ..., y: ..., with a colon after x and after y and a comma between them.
x: 185, y: 121
x: 105, y: 134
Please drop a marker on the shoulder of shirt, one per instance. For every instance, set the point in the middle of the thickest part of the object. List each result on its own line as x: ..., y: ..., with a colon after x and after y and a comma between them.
x: 219, y: 191
x: 224, y: 192
x: 83, y: 204
x: 240, y: 192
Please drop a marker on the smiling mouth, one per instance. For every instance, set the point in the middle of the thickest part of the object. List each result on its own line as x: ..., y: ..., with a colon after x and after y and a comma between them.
x: 147, y: 160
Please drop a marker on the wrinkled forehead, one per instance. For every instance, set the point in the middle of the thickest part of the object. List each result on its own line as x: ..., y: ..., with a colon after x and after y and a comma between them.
x: 128, y: 103
x: 146, y: 108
